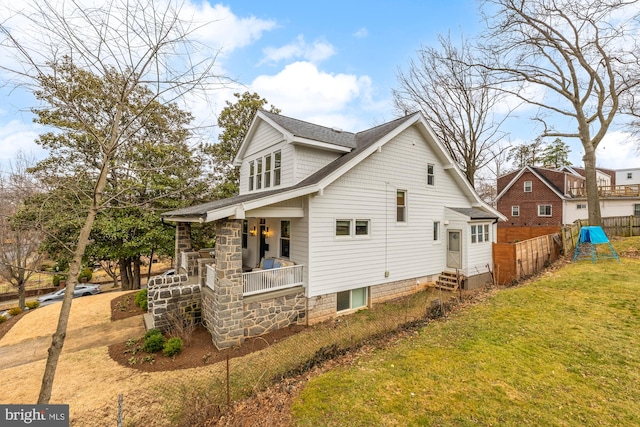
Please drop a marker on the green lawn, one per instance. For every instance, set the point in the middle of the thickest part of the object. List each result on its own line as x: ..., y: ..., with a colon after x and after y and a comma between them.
x: 561, y: 351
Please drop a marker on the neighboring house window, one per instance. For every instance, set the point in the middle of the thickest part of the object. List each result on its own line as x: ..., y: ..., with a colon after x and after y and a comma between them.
x: 349, y: 300
x: 252, y: 172
x: 276, y: 167
x: 515, y: 210
x: 401, y: 203
x: 629, y: 175
x: 436, y: 231
x: 528, y: 186
x: 362, y: 227
x: 582, y: 206
x: 430, y: 175
x: 479, y: 233
x: 343, y: 227
x: 267, y: 171
x: 245, y: 234
x: 636, y: 209
x: 544, y: 210
x: 285, y: 238
x: 258, y: 174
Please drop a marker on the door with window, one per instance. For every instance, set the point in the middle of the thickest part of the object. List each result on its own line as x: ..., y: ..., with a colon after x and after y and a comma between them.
x: 454, y: 248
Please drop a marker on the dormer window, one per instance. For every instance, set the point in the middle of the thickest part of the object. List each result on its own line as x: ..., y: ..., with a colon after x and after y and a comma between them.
x: 252, y: 173
x: 267, y: 171
x: 276, y: 167
x: 258, y: 174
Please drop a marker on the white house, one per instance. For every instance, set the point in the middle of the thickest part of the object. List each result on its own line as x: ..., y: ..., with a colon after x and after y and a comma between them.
x: 347, y: 220
x: 628, y: 176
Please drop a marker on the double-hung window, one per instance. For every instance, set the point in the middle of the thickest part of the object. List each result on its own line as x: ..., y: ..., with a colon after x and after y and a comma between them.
x: 528, y: 186
x: 515, y: 210
x: 436, y: 231
x: 401, y: 205
x: 267, y: 171
x: 636, y: 209
x: 431, y: 178
x: 277, y: 161
x: 252, y: 173
x: 285, y: 238
x: 479, y: 233
x: 544, y: 210
x: 258, y: 174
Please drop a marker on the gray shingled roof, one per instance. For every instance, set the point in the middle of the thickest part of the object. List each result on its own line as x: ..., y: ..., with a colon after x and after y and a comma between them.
x: 474, y: 213
x: 362, y: 140
x: 308, y: 130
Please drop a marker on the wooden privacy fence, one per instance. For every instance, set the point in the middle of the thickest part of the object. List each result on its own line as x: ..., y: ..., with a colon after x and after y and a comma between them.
x: 514, y: 261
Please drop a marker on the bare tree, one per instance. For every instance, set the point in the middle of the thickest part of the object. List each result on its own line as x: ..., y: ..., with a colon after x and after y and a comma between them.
x: 458, y: 101
x: 120, y: 50
x: 580, y: 56
x: 20, y: 257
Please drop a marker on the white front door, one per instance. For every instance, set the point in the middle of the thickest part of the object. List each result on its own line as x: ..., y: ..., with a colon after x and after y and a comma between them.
x: 454, y: 249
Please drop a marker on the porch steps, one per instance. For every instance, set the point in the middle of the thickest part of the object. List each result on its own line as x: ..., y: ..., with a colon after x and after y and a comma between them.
x: 448, y: 281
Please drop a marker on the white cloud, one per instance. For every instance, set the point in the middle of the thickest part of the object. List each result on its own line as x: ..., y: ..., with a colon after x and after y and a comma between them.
x: 16, y: 136
x: 302, y: 91
x: 618, y: 150
x: 361, y: 33
x: 315, y: 52
x: 222, y: 28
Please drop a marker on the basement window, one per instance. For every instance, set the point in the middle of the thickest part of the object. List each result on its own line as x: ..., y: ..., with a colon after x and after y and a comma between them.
x: 350, y: 300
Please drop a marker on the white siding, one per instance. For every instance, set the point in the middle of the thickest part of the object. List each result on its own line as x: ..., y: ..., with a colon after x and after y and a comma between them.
x: 608, y: 208
x: 621, y: 176
x: 479, y: 255
x: 309, y: 160
x: 267, y: 141
x: 368, y: 191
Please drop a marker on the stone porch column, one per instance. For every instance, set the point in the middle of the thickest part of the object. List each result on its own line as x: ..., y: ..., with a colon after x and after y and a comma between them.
x: 228, y: 314
x: 183, y: 242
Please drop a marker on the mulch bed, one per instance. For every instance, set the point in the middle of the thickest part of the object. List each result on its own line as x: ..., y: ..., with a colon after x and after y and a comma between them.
x: 200, y: 351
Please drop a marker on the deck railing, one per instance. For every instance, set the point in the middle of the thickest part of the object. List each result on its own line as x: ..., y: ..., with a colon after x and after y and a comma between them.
x: 630, y: 190
x: 255, y: 282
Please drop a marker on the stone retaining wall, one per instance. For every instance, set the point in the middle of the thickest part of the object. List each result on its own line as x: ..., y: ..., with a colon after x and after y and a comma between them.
x: 171, y: 296
x: 276, y: 310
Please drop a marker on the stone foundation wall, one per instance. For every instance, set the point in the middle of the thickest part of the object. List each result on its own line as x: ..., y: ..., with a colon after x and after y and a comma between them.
x: 276, y: 310
x: 401, y: 288
x: 208, y: 317
x: 321, y: 308
x: 170, y: 296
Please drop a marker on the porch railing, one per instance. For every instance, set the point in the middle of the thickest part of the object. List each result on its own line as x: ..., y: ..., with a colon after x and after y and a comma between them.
x: 255, y: 282
x: 630, y: 190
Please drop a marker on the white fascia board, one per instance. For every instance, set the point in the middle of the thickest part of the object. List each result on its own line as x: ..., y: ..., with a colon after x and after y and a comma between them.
x: 276, y: 213
x: 237, y: 161
x: 192, y: 218
x: 318, y: 144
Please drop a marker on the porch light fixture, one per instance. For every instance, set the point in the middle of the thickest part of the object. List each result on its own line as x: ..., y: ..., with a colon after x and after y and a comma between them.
x: 253, y: 231
x: 265, y: 232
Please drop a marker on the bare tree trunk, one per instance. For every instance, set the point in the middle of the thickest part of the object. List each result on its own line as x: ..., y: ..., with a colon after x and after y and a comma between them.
x: 124, y: 274
x: 22, y: 297
x: 593, y: 203
x: 136, y: 273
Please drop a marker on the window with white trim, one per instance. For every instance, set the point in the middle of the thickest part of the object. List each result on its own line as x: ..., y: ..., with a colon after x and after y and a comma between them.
x: 436, y: 231
x: 267, y: 171
x: 349, y: 300
x: 277, y: 162
x: 362, y: 227
x: 401, y: 206
x: 544, y: 210
x: 343, y: 227
x: 258, y: 174
x: 252, y: 172
x: 528, y: 186
x: 285, y: 238
x: 515, y: 210
x: 581, y: 206
x: 431, y: 178
x: 636, y: 209
x: 479, y: 233
x: 629, y: 175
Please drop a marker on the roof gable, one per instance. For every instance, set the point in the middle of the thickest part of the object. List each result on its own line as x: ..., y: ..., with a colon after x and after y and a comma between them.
x: 538, y: 173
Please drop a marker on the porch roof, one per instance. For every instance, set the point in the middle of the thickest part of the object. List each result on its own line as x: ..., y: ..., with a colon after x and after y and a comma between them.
x: 474, y: 213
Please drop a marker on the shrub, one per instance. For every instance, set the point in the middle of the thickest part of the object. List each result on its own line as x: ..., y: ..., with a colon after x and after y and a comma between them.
x: 56, y: 280
x: 15, y: 311
x: 172, y: 347
x: 33, y: 304
x: 85, y: 273
x: 141, y: 299
x: 3, y: 319
x: 153, y: 341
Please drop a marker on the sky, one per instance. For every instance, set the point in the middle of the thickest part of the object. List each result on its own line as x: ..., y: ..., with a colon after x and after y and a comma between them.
x: 333, y: 63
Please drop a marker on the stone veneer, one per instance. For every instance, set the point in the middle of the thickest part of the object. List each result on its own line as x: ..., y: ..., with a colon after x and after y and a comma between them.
x: 183, y: 242
x: 226, y: 321
x: 171, y: 294
x: 275, y: 310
